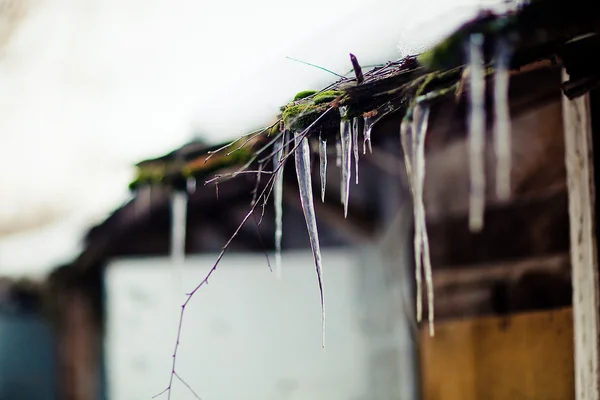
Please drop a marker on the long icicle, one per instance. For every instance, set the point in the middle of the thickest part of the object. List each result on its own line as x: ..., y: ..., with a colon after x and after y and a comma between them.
x: 355, y: 125
x: 346, y: 138
x: 338, y: 152
x: 338, y: 162
x: 415, y: 115
x: 476, y: 132
x: 323, y: 164
x: 420, y: 132
x: 302, y: 158
x: 407, y: 140
x: 178, y: 226
x: 502, y: 134
x: 278, y: 200
x: 342, y: 164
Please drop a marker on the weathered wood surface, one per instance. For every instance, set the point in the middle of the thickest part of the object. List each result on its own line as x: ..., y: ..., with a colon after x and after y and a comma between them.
x: 584, y: 260
x: 535, y: 283
x: 524, y: 356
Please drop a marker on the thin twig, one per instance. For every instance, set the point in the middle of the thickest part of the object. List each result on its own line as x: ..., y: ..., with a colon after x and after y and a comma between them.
x: 256, y: 133
x: 187, y: 385
x: 245, y: 143
x: 262, y: 244
x: 255, y: 190
x: 234, y: 174
x: 270, y: 155
x: 265, y: 199
x: 316, y: 66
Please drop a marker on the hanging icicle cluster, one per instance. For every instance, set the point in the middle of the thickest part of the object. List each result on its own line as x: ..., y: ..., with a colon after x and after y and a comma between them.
x: 412, y: 136
x: 301, y: 122
x: 347, y: 112
x: 338, y: 115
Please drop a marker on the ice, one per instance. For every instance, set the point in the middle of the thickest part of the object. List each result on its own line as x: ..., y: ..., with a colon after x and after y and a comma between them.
x: 476, y: 132
x: 413, y: 130
x: 369, y: 122
x: 191, y: 185
x: 502, y: 134
x: 323, y: 165
x: 338, y: 153
x: 302, y: 158
x: 178, y: 226
x: 420, y: 125
x: 355, y: 125
x: 278, y: 201
x: 346, y: 139
x: 409, y: 157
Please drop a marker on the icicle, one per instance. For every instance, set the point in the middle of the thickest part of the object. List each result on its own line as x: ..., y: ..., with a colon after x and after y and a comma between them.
x: 278, y: 199
x: 405, y: 141
x: 256, y: 186
x: 409, y: 158
x: 370, y: 121
x: 323, y: 165
x: 302, y: 158
x: 420, y: 124
x: 476, y: 132
x: 355, y: 146
x: 338, y: 163
x: 191, y: 185
x: 502, y: 135
x: 368, y: 126
x: 346, y: 139
x: 338, y: 153
x: 178, y: 226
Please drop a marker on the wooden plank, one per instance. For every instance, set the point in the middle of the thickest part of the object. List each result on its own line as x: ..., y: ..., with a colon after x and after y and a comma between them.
x: 489, y: 273
x: 515, y: 231
x: 584, y: 260
x: 524, y: 356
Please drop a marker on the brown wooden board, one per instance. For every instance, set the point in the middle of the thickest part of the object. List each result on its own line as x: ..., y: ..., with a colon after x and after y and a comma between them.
x: 522, y: 356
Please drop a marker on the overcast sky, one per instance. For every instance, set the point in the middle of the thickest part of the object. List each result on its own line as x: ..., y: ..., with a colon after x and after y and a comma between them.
x: 89, y: 87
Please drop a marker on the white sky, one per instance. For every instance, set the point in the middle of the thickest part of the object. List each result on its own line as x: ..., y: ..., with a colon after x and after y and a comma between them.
x: 89, y: 87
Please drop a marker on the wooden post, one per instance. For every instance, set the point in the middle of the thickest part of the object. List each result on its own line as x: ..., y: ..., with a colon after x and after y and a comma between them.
x: 584, y: 260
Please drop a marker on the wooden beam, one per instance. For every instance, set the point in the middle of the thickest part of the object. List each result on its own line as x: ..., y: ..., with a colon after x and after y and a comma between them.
x: 489, y: 273
x: 526, y: 229
x: 584, y: 259
x: 472, y: 290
